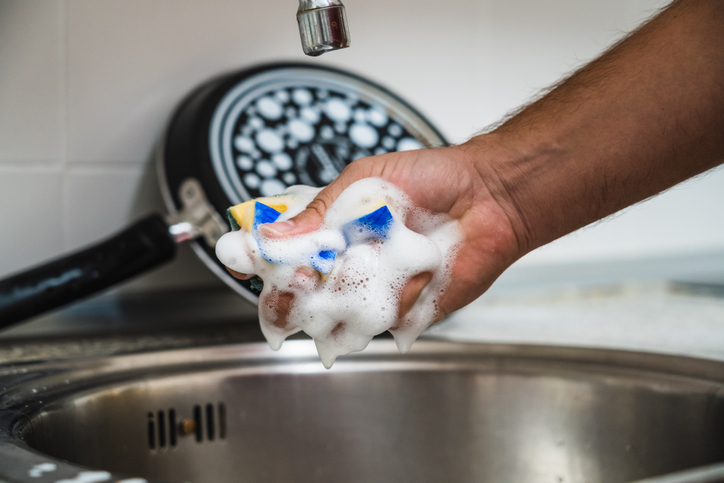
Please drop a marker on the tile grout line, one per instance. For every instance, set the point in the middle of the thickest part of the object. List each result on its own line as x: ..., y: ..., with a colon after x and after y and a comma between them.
x: 63, y: 116
x: 33, y: 164
x: 106, y: 165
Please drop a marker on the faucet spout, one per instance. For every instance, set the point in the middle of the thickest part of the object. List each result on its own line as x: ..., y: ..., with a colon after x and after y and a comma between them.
x: 322, y: 26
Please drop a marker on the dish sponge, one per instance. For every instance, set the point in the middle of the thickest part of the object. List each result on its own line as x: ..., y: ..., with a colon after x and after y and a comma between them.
x: 250, y: 214
x: 364, y: 254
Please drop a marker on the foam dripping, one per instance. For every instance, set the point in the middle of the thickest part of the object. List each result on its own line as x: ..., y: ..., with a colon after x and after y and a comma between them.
x: 342, y: 283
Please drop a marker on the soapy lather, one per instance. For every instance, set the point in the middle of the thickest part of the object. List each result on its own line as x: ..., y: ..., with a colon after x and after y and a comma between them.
x: 344, y: 279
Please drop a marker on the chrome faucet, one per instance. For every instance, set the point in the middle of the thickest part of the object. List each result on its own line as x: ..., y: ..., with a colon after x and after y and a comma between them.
x: 322, y: 26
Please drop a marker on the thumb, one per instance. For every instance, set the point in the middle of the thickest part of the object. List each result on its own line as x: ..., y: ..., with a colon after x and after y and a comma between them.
x: 308, y: 220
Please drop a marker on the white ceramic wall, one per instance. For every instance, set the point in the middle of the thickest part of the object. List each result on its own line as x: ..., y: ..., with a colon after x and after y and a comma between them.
x: 86, y: 85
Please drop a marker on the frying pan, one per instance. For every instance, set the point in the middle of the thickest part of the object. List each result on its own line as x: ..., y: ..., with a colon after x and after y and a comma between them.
x: 239, y: 136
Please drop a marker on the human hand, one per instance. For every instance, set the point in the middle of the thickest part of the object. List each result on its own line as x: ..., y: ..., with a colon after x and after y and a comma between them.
x: 447, y: 180
x: 645, y: 115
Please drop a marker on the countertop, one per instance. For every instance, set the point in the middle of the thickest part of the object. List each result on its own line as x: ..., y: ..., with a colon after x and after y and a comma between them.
x: 665, y: 317
x: 673, y: 305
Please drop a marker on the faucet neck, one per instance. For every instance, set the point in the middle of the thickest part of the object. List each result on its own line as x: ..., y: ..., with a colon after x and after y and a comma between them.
x: 322, y: 26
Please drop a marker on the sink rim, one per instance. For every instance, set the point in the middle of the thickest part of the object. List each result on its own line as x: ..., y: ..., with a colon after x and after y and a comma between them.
x: 300, y: 356
x: 54, y: 380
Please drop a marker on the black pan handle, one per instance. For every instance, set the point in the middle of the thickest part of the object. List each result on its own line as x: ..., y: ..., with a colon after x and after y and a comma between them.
x: 139, y: 247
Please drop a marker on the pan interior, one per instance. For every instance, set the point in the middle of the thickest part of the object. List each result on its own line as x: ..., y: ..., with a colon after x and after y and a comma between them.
x: 300, y: 125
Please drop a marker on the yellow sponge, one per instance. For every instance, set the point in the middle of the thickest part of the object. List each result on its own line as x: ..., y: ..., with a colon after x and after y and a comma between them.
x: 242, y: 215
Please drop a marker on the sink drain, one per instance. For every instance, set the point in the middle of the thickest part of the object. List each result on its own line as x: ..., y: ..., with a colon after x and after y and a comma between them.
x: 207, y: 422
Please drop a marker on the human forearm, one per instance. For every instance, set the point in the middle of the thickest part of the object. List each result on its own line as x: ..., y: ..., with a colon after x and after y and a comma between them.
x: 646, y: 115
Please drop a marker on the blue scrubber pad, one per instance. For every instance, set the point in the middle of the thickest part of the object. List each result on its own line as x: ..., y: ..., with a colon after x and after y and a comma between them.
x: 372, y: 226
x: 264, y: 214
x: 375, y: 225
x: 323, y: 261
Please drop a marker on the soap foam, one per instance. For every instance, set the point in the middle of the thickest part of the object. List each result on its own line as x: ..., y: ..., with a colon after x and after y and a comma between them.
x: 360, y: 297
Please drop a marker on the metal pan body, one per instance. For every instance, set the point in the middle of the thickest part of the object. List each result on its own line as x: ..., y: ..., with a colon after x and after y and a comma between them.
x: 257, y: 131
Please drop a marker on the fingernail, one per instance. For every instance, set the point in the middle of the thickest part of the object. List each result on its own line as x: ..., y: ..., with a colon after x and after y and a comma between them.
x: 307, y: 272
x: 278, y: 228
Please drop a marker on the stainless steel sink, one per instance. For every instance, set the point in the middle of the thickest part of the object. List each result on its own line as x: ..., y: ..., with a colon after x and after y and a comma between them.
x: 443, y: 413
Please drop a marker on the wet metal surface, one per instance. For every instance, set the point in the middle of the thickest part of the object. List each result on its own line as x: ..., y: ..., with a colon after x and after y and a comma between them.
x: 444, y: 412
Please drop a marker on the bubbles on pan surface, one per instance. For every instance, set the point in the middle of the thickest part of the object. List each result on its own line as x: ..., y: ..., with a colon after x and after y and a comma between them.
x: 307, y: 135
x: 377, y: 117
x: 270, y: 141
x: 337, y: 110
x: 270, y: 108
x: 363, y: 135
x: 301, y: 130
x: 395, y: 130
x: 282, y: 161
x: 327, y: 132
x: 252, y: 180
x: 311, y: 115
x: 271, y: 187
x: 245, y: 163
x: 302, y: 97
x: 244, y: 144
x: 266, y: 169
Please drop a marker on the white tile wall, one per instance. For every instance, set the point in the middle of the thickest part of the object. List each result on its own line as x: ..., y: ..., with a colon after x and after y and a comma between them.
x: 687, y: 218
x: 121, y: 186
x: 31, y: 216
x: 31, y: 71
x: 86, y: 86
x: 131, y: 61
x: 128, y: 191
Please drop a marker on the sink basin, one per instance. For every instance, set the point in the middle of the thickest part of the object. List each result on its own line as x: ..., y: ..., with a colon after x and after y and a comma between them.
x: 442, y: 413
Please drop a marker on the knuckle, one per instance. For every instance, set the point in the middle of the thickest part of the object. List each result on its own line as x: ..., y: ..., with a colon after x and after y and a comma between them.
x: 318, y: 206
